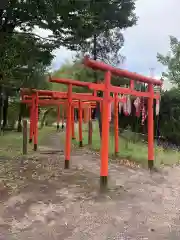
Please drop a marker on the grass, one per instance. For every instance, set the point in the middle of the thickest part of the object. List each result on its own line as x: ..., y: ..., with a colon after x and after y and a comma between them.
x: 11, y: 146
x: 11, y: 142
x: 133, y: 151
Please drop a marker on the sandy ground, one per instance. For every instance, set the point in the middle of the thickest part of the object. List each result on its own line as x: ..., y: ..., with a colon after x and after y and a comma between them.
x: 49, y: 202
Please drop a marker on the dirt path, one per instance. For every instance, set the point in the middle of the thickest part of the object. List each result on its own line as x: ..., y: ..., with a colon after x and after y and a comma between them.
x: 51, y: 203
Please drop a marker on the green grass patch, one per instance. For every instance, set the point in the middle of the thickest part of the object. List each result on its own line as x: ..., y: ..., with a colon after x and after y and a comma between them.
x: 11, y: 142
x: 129, y: 149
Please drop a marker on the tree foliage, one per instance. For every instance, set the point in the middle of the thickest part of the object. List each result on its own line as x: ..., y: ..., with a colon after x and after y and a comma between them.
x: 106, y: 47
x: 107, y: 38
x: 70, y: 24
x: 25, y: 55
x: 169, y: 116
x: 172, y: 62
x: 108, y: 23
x: 22, y: 55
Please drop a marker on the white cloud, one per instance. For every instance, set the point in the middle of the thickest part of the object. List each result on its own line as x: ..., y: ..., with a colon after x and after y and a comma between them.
x: 42, y: 32
x: 62, y: 55
x: 157, y: 20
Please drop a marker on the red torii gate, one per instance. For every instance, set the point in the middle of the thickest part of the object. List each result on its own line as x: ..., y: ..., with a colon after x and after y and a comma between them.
x: 57, y: 103
x: 106, y: 87
x: 48, y: 98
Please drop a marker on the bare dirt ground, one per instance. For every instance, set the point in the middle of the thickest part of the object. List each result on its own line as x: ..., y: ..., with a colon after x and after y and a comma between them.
x: 47, y: 202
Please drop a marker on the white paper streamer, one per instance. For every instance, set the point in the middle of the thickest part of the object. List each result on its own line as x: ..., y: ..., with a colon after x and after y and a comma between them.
x: 137, y: 103
x: 127, y: 106
x: 157, y: 107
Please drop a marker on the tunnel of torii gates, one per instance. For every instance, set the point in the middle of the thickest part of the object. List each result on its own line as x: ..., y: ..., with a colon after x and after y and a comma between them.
x: 81, y: 101
x: 70, y: 99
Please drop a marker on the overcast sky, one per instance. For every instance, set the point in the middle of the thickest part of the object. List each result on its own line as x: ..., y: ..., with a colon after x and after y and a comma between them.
x: 157, y: 20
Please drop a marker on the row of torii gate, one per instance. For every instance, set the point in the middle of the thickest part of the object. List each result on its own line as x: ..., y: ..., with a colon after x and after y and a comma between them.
x: 71, y: 100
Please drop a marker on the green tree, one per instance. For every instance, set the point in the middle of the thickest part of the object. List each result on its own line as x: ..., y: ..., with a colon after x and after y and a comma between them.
x: 108, y: 22
x: 70, y: 22
x: 23, y: 64
x: 107, y: 38
x: 169, y: 123
x: 172, y: 62
x: 21, y: 55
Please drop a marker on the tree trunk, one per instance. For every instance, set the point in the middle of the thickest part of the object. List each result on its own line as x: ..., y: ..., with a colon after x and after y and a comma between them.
x: 1, y: 107
x: 5, y: 111
x: 98, y: 111
x: 19, y: 127
x: 44, y: 116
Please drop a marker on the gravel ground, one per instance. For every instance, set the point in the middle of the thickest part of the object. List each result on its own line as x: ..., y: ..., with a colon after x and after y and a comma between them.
x: 52, y: 203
